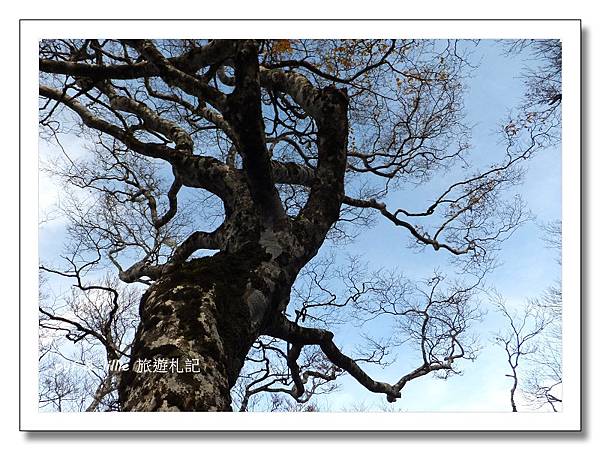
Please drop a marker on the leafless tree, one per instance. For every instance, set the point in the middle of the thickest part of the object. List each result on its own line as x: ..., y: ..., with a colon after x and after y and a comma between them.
x: 534, y: 336
x: 215, y: 172
x: 81, y: 336
x: 519, y: 340
x: 543, y: 382
x: 543, y: 79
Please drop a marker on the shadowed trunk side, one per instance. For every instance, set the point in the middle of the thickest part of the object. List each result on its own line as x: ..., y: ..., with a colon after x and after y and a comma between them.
x: 202, y: 315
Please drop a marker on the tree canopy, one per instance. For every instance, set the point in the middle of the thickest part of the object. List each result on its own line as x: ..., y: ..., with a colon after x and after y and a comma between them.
x: 214, y: 173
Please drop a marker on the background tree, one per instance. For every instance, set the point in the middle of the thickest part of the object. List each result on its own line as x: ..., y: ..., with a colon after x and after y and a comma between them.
x: 533, y: 339
x: 544, y: 381
x: 534, y: 333
x: 217, y: 169
x: 80, y: 335
x: 543, y: 80
x: 519, y: 340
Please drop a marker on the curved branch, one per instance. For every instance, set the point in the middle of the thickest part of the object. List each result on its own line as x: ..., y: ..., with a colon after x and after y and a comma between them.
x: 174, y: 76
x: 381, y: 207
x: 152, y: 120
x: 92, y: 121
x: 204, y: 172
x: 291, y: 332
x: 195, y: 241
x: 315, y: 70
x: 192, y: 61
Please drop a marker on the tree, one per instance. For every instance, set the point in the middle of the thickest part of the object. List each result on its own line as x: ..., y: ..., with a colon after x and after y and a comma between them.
x: 215, y: 172
x: 534, y: 337
x: 543, y: 80
x: 519, y: 341
x: 544, y: 382
x: 79, y: 336
x: 534, y: 334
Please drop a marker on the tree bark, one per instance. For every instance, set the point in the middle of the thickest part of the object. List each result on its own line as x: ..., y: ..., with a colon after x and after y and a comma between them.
x: 204, y: 315
x: 513, y: 389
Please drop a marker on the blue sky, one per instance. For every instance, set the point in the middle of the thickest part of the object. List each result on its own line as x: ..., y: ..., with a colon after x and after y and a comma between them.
x: 528, y: 266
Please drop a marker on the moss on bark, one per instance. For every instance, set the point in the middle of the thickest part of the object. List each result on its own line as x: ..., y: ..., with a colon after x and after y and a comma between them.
x: 197, y: 311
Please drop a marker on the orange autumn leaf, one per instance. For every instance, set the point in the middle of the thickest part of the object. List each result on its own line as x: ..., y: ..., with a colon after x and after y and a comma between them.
x: 282, y: 46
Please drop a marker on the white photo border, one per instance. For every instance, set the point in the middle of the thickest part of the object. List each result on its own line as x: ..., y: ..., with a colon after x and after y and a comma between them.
x: 568, y: 31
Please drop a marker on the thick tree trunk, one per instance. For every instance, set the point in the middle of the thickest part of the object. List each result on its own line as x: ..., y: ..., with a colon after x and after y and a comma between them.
x: 196, y: 326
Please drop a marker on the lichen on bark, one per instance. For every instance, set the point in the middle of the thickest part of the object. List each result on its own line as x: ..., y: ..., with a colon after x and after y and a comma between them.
x: 198, y: 312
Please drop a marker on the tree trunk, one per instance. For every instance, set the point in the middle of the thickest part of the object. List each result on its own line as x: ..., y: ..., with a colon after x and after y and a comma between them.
x: 513, y: 389
x: 196, y: 325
